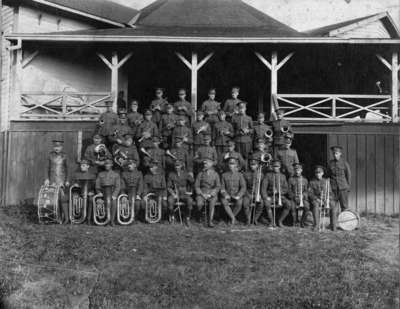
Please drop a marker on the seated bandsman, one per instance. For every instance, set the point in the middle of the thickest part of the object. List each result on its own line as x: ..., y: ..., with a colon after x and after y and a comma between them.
x: 298, y: 193
x: 154, y: 182
x: 134, y: 117
x: 200, y: 127
x: 262, y: 130
x: 178, y: 153
x: 207, y: 187
x: 154, y: 155
x: 320, y: 195
x: 184, y: 108
x: 167, y: 124
x: 125, y: 151
x: 281, y: 128
x: 231, y: 153
x: 233, y: 187
x: 157, y: 106
x: 274, y: 191
x: 97, y: 153
x: 181, y: 130
x: 340, y: 175
x: 146, y: 131
x: 205, y: 151
x: 108, y: 185
x: 230, y: 106
x: 107, y: 121
x: 120, y: 129
x: 57, y: 174
x: 253, y: 183
x: 132, y: 184
x: 210, y: 108
x: 86, y: 180
x: 243, y: 127
x: 179, y: 184
x: 287, y: 156
x: 262, y: 155
x: 222, y: 133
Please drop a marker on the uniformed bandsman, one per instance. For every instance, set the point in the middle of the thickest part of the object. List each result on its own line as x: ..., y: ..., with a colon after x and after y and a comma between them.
x: 96, y: 154
x: 233, y: 187
x: 262, y: 130
x: 230, y: 106
x: 200, y: 128
x: 179, y: 185
x: 261, y: 154
x: 181, y: 130
x: 157, y: 106
x: 132, y: 184
x: 205, y: 151
x: 243, y: 126
x: 274, y: 188
x: 207, y: 187
x: 281, y: 128
x: 154, y: 155
x: 154, y: 182
x: 222, y: 133
x: 108, y: 184
x: 167, y: 124
x: 317, y: 193
x: 178, y: 153
x: 120, y: 129
x: 298, y: 193
x: 106, y: 121
x: 184, y: 108
x: 231, y: 153
x: 125, y: 151
x: 340, y: 175
x: 146, y: 131
x: 210, y: 108
x: 287, y: 156
x: 134, y: 117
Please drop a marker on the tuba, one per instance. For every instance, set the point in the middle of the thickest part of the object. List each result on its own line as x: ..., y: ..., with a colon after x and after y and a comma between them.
x: 100, y: 151
x: 152, y: 208
x: 266, y: 158
x: 125, y: 209
x: 101, y: 213
x: 78, y: 202
x: 120, y: 157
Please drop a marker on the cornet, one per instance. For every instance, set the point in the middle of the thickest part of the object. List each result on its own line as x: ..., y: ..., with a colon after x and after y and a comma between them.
x: 168, y: 153
x: 301, y: 204
x: 100, y: 150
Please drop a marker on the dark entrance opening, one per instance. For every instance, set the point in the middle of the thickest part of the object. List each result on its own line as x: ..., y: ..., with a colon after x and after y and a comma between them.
x: 312, y: 150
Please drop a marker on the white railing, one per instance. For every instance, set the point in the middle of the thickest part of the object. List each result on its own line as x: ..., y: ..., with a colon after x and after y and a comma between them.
x: 336, y: 107
x: 62, y: 105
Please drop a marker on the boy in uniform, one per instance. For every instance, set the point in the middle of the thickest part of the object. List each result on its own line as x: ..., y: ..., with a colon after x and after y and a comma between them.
x: 222, y: 133
x: 134, y: 117
x: 200, y: 128
x: 298, y: 193
x: 230, y: 106
x: 210, y: 108
x: 243, y: 126
x: 146, y: 131
x: 183, y: 108
x: 287, y: 156
x: 167, y: 124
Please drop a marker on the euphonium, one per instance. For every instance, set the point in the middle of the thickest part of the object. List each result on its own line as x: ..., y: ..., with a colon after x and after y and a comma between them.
x: 125, y: 209
x: 101, y: 213
x: 152, y: 208
x: 266, y: 158
x: 78, y: 198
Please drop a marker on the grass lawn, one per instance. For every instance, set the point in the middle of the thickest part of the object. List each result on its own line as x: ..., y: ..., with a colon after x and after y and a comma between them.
x: 164, y: 266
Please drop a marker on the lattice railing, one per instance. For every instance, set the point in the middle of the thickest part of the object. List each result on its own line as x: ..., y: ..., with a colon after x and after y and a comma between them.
x: 63, y: 105
x: 339, y: 107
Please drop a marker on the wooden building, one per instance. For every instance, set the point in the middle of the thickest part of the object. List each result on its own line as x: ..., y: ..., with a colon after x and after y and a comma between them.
x: 338, y: 84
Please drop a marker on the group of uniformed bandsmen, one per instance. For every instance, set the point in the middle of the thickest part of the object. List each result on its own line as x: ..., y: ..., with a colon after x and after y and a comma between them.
x: 214, y: 156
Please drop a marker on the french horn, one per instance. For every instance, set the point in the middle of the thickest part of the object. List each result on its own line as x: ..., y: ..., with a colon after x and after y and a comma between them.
x: 78, y: 202
x: 152, y: 208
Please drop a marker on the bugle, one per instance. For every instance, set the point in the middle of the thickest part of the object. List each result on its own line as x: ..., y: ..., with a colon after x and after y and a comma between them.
x: 78, y: 201
x: 125, y: 209
x: 101, y: 213
x: 153, y: 208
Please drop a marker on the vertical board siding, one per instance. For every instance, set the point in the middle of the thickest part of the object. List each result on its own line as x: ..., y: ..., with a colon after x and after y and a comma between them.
x: 352, y: 159
x: 389, y: 171
x: 396, y: 174
x: 370, y: 152
x: 361, y: 173
x: 380, y: 174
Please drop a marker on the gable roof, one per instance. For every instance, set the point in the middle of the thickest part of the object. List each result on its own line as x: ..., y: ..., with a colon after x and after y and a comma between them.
x: 333, y: 29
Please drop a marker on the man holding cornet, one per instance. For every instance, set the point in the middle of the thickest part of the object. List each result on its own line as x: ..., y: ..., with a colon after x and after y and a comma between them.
x: 281, y: 128
x: 222, y: 133
x: 200, y: 128
x: 146, y: 131
x: 298, y: 193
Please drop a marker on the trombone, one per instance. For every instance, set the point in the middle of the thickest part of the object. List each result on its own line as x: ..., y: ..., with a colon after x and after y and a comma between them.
x: 324, y: 205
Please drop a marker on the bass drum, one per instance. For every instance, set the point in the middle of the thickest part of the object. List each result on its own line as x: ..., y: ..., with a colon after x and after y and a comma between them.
x: 48, y: 204
x: 348, y: 220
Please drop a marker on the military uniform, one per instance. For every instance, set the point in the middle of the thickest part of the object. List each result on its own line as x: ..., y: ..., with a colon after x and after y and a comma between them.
x: 183, y: 108
x: 230, y: 107
x: 210, y: 109
x: 119, y: 131
x: 134, y: 120
x: 149, y: 127
x: 155, y: 183
x: 259, y: 132
x: 95, y: 159
x: 132, y: 184
x: 183, y: 156
x: 250, y: 195
x: 182, y: 182
x: 157, y: 157
x: 126, y: 152
x: 167, y: 124
x: 232, y: 155
x: 287, y: 157
x: 183, y: 131
x: 222, y: 133
x: 279, y: 136
x: 157, y: 106
x: 262, y: 155
x: 204, y: 128
x: 205, y: 152
x: 232, y: 185
x: 299, y: 184
x: 107, y: 121
x: 340, y: 175
x: 243, y: 139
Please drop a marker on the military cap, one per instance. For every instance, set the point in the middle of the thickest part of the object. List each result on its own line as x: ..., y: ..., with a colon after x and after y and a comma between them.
x: 179, y: 163
x: 156, y: 139
x: 236, y: 88
x: 181, y: 117
x: 260, y: 115
x: 221, y: 112
x: 319, y: 168
x: 212, y: 91
x: 337, y: 148
x: 231, y: 141
x: 276, y: 163
x: 241, y: 103
x: 198, y: 113
x: 153, y: 164
x: 207, y: 158
x: 108, y: 161
x: 129, y: 162
x: 178, y: 139
x: 58, y: 142
x: 169, y: 106
x: 84, y: 161
x: 182, y: 90
x: 206, y: 136
x: 287, y: 139
x: 128, y: 135
x: 232, y: 160
x: 260, y: 140
x: 297, y: 165
x: 159, y: 89
x: 134, y: 102
x: 108, y: 103
x: 253, y: 156
x: 122, y: 111
x: 97, y: 136
x: 148, y: 112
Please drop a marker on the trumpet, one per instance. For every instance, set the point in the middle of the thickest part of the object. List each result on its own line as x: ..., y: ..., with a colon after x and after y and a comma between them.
x: 168, y: 153
x: 152, y: 208
x: 324, y: 199
x: 145, y: 152
x: 120, y: 157
x: 201, y: 129
x: 125, y: 209
x: 78, y: 199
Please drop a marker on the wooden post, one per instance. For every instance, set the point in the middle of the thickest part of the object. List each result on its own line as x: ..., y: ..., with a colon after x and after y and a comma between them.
x: 395, y: 86
x: 17, y: 82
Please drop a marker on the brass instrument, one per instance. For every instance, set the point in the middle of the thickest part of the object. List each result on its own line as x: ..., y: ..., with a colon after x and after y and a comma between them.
x: 168, y: 153
x: 120, y: 157
x: 152, y: 208
x: 101, y: 213
x: 101, y: 152
x: 145, y: 152
x: 324, y: 204
x: 201, y: 129
x: 125, y: 209
x: 285, y: 129
x: 78, y: 201
x: 279, y: 191
x: 266, y: 158
x: 145, y: 135
x: 269, y: 133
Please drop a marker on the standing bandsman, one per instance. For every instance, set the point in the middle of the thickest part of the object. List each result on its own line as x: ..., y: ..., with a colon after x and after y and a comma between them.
x: 120, y: 129
x: 96, y: 154
x: 207, y: 187
x: 243, y: 126
x: 181, y: 130
x: 200, y: 128
x: 134, y: 117
x: 167, y: 124
x: 57, y: 174
x: 179, y: 185
x: 231, y: 153
x: 253, y: 180
x: 230, y: 106
x: 106, y: 121
x: 318, y: 195
x: 287, y: 156
x: 108, y: 184
x: 222, y: 133
x: 184, y: 108
x: 298, y: 193
x: 340, y: 175
x: 146, y: 131
x: 274, y: 189
x: 154, y: 155
x: 157, y: 106
x: 262, y: 130
x: 281, y: 128
x: 210, y: 108
x: 233, y: 187
x: 178, y: 153
x: 205, y: 151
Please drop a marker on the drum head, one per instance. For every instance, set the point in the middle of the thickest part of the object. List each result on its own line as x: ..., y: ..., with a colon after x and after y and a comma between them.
x: 348, y: 220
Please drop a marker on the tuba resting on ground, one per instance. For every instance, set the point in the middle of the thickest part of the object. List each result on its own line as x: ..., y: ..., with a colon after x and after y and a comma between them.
x: 78, y: 202
x: 102, y: 211
x: 125, y: 209
x: 153, y: 208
